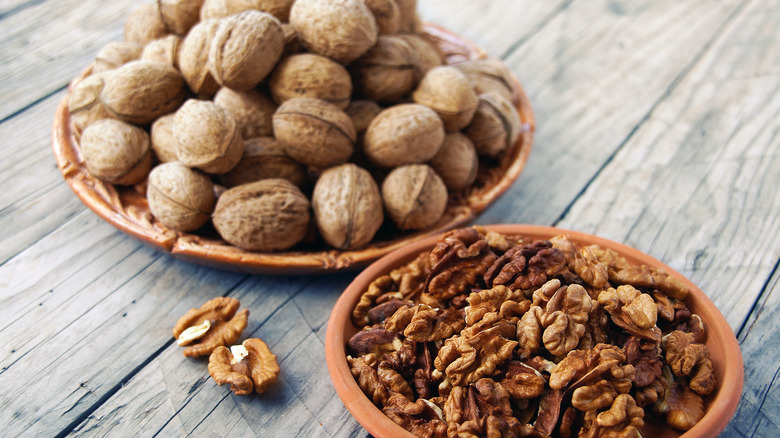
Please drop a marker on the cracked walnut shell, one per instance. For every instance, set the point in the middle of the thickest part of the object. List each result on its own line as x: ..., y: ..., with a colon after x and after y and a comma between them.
x: 214, y: 324
x: 246, y: 367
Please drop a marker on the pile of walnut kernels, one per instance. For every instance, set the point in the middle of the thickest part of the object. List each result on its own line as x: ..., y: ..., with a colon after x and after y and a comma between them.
x: 330, y: 115
x: 491, y: 335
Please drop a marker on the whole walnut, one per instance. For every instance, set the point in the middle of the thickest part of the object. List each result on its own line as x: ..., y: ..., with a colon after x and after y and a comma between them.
x: 267, y: 215
x: 207, y: 136
x: 387, y: 15
x: 425, y: 54
x: 410, y: 21
x: 225, y: 8
x: 314, y: 132
x: 495, y: 126
x: 165, y: 50
x: 339, y: 29
x: 144, y: 24
x: 386, y: 72
x: 310, y: 75
x: 193, y: 59
x: 403, y: 134
x: 456, y: 162
x: 449, y: 93
x: 141, y: 91
x: 116, y: 54
x: 84, y: 102
x: 164, y: 144
x: 116, y: 152
x: 179, y: 197
x: 414, y: 196
x: 252, y: 109
x: 362, y: 112
x: 488, y: 75
x: 264, y: 158
x: 292, y: 44
x: 245, y: 49
x: 179, y: 15
x: 347, y: 206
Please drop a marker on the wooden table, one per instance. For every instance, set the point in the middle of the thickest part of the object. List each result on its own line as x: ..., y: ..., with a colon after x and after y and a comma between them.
x: 658, y: 126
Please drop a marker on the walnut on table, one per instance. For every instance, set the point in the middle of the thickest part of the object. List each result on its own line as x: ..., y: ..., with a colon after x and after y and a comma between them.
x: 246, y: 367
x: 216, y: 323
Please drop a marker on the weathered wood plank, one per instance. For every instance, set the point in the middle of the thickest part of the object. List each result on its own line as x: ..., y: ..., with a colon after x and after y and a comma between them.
x: 699, y: 175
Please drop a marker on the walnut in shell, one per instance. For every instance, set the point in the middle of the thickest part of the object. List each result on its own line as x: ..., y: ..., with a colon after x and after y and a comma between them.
x: 264, y: 158
x: 245, y: 49
x: 225, y: 8
x: 267, y: 215
x: 387, y: 15
x: 314, y: 132
x: 193, y: 59
x: 84, y: 103
x: 116, y: 54
x: 403, y: 134
x: 347, y: 206
x: 310, y: 75
x: 449, y: 93
x: 179, y: 15
x: 165, y: 50
x: 116, y: 152
x: 252, y: 109
x: 456, y: 162
x: 207, y: 136
x: 164, y: 144
x: 141, y: 91
x: 386, y: 72
x: 414, y: 196
x: 410, y: 21
x: 179, y: 197
x: 362, y: 112
x: 144, y: 24
x: 495, y: 126
x: 488, y: 75
x: 339, y: 29
x: 425, y: 54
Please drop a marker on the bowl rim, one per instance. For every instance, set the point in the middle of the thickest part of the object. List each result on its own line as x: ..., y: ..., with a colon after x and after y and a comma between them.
x: 723, y: 404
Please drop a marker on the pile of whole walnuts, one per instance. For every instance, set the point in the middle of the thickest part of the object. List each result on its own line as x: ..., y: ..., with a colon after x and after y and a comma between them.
x: 274, y: 118
x: 496, y: 335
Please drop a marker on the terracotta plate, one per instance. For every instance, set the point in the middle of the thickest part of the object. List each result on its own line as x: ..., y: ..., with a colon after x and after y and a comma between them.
x: 126, y: 207
x: 724, y: 349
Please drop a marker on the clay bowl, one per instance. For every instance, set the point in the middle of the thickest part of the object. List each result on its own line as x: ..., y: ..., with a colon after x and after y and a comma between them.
x: 126, y: 208
x: 725, y: 353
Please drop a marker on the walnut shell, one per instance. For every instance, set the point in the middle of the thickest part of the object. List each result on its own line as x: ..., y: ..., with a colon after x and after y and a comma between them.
x: 264, y: 158
x: 116, y: 54
x: 387, y: 15
x: 165, y: 50
x: 309, y: 75
x: 449, y: 93
x: 193, y: 59
x: 179, y: 15
x: 495, y: 126
x: 456, y: 162
x: 386, y: 72
x: 252, y: 109
x: 267, y: 215
x: 414, y: 196
x: 339, y: 29
x: 144, y: 24
x: 225, y: 8
x: 245, y: 49
x: 410, y: 21
x: 179, y: 197
x: 141, y: 91
x: 425, y: 54
x: 207, y: 136
x: 314, y: 132
x: 84, y: 102
x: 362, y: 112
x: 403, y: 134
x: 292, y: 44
x: 116, y: 152
x: 347, y: 206
x: 164, y: 144
x: 488, y: 75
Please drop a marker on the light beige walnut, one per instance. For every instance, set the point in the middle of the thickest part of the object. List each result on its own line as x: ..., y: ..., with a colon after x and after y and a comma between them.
x: 144, y: 24
x: 339, y: 29
x: 456, y: 162
x: 141, y: 91
x: 252, y: 109
x: 414, y: 196
x: 179, y: 15
x: 347, y: 206
x: 116, y: 54
x: 193, y: 59
x: 207, y: 136
x: 495, y: 126
x: 84, y: 102
x: 314, y: 132
x: 245, y: 49
x: 225, y: 8
x: 179, y: 197
x: 387, y: 15
x: 449, y: 93
x: 165, y: 50
x: 116, y: 152
x: 404, y: 134
x: 264, y: 158
x: 164, y: 143
x: 310, y: 75
x: 386, y: 72
x: 267, y: 215
x: 488, y: 75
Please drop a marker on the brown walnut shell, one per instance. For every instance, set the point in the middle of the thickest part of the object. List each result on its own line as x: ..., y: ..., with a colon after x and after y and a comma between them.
x: 225, y: 8
x: 164, y: 144
x: 414, y: 196
x: 144, y: 24
x: 449, y: 93
x: 207, y: 137
x: 193, y: 59
x: 264, y: 158
x: 339, y: 29
x: 116, y: 152
x: 179, y: 15
x: 404, y: 134
x: 456, y: 162
x: 387, y: 15
x: 84, y: 103
x: 252, y: 109
x: 116, y: 54
x: 141, y: 91
x: 165, y: 50
x: 488, y: 75
x: 310, y: 75
x: 386, y: 72
x: 495, y: 125
x: 180, y: 197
